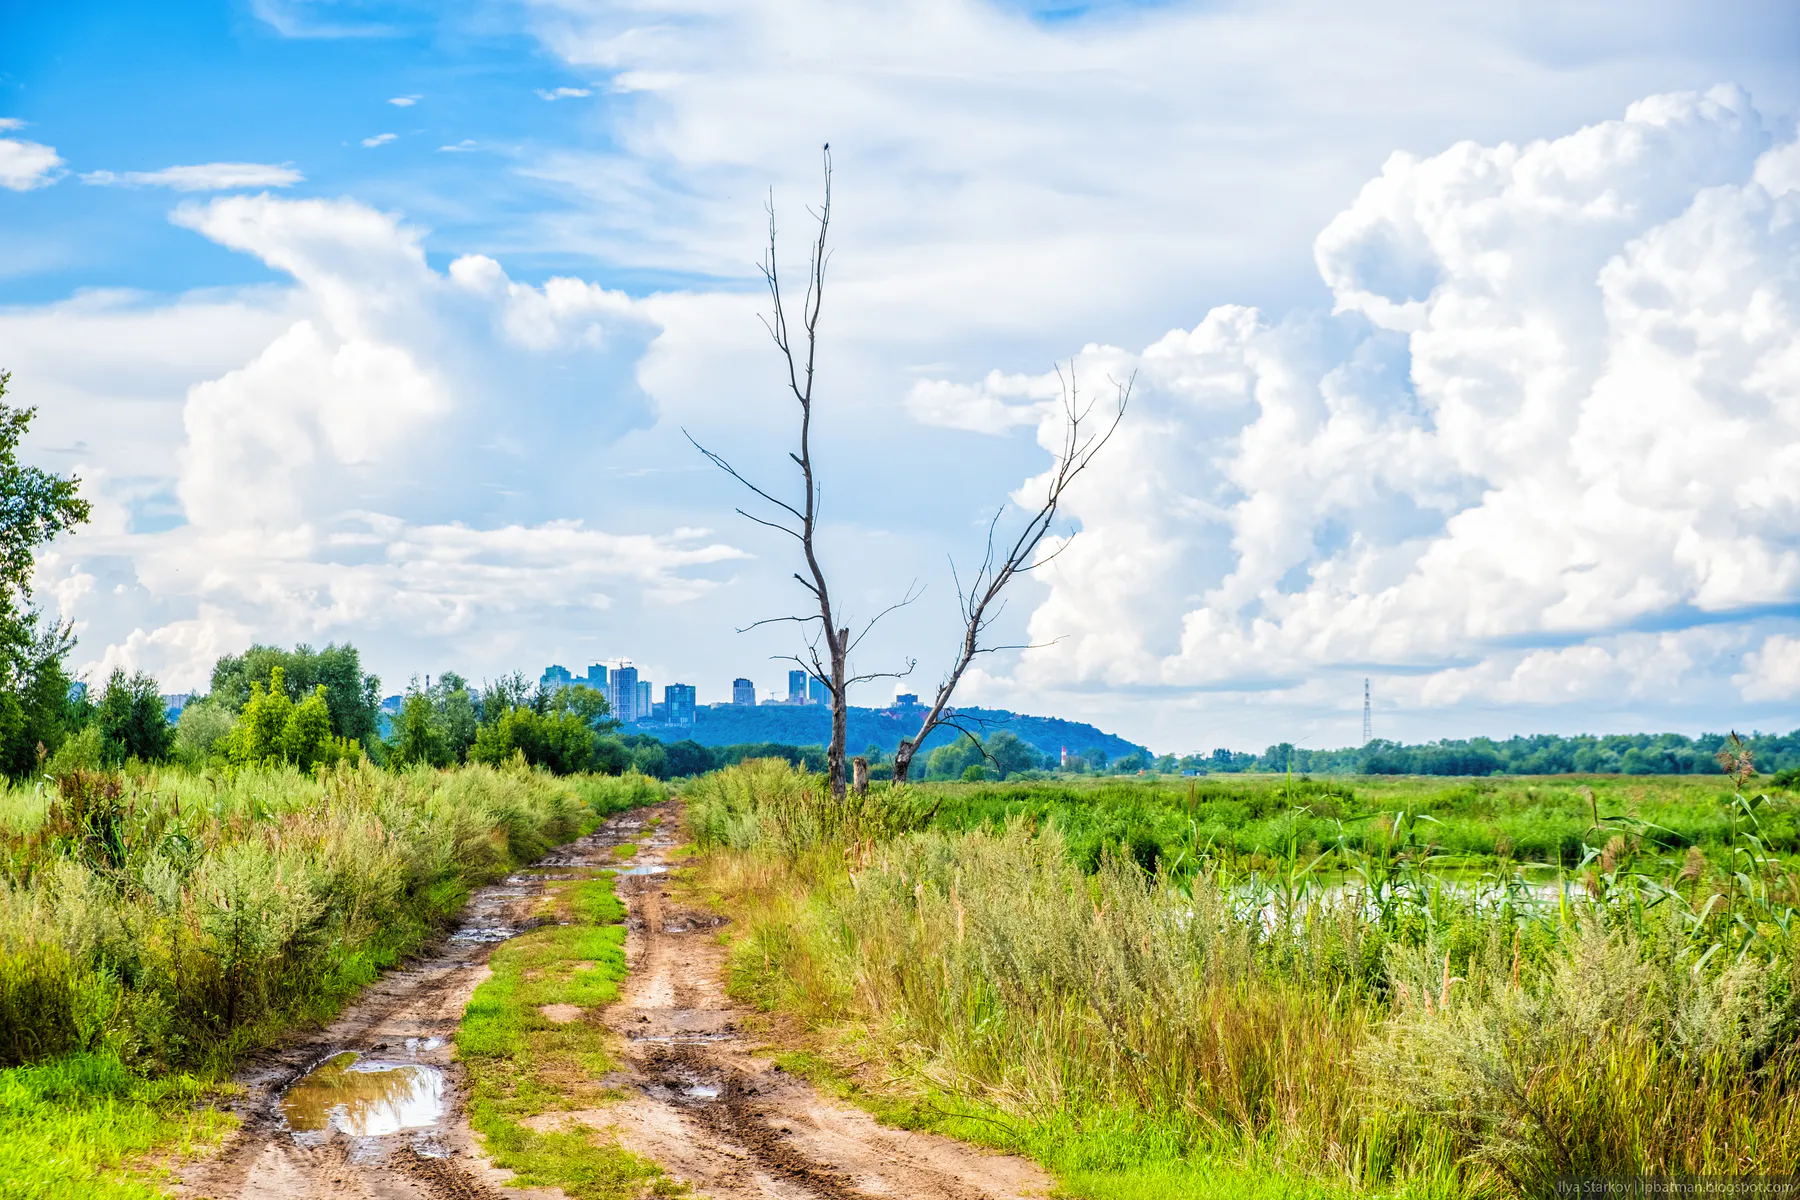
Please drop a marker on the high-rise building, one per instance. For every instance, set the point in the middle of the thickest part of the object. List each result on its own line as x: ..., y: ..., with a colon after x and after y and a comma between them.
x: 643, y: 699
x: 678, y: 699
x: 817, y: 692
x: 743, y: 692
x: 622, y: 694
x: 555, y: 678
x: 596, y: 678
x: 797, y: 687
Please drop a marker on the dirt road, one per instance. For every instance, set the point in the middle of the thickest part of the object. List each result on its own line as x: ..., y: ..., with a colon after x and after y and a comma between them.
x: 389, y: 1122
x: 370, y: 1108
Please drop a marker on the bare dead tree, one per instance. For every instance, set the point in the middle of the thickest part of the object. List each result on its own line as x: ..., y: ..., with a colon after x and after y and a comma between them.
x: 1084, y: 436
x: 801, y: 522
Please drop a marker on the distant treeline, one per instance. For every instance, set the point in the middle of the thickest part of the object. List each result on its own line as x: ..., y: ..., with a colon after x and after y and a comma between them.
x: 1540, y: 754
x: 881, y: 729
x: 311, y: 707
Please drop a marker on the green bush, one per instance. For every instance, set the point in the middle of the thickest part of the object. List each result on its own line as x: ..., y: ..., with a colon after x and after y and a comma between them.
x: 172, y: 917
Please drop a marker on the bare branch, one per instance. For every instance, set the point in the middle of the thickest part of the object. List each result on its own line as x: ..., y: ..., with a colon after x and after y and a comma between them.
x: 801, y: 367
x: 775, y: 525
x: 913, y: 592
x: 732, y: 471
x: 981, y: 605
x: 902, y: 674
x: 776, y: 621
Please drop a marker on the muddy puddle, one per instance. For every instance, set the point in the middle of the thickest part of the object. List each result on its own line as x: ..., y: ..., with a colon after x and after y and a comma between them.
x: 364, y: 1097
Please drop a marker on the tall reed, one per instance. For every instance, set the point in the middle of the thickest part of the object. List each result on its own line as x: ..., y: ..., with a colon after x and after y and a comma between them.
x: 172, y: 918
x: 1393, y: 1034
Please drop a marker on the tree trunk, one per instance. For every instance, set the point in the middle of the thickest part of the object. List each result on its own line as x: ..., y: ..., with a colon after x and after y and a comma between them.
x: 903, y: 760
x: 859, y: 774
x: 840, y: 718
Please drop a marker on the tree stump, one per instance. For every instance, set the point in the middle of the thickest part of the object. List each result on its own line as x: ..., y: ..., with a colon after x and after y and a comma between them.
x: 859, y: 774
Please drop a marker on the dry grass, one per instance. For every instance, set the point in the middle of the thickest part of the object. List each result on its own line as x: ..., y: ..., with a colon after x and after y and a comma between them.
x: 1425, y: 1050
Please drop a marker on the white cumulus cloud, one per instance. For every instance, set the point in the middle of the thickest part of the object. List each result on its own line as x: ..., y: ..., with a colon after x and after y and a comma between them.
x: 379, y: 139
x: 563, y: 93
x: 1560, y: 398
x: 25, y: 165
x: 1772, y: 670
x: 202, y: 177
x: 405, y: 459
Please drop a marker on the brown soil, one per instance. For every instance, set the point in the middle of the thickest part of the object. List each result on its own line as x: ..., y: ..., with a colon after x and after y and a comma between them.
x: 407, y: 1016
x: 731, y: 1123
x: 698, y: 1100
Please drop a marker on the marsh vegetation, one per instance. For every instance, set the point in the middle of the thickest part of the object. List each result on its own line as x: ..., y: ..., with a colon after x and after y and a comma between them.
x: 155, y: 926
x: 1177, y: 989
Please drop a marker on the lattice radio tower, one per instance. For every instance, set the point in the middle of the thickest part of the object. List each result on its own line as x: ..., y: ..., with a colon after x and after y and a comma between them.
x: 1368, y: 732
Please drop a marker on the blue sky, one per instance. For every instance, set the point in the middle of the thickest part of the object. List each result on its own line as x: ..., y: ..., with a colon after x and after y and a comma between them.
x: 1404, y: 409
x: 131, y: 87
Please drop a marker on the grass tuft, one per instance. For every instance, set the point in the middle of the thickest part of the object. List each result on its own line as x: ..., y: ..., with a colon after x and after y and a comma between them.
x: 523, y: 1065
x: 1211, y: 1024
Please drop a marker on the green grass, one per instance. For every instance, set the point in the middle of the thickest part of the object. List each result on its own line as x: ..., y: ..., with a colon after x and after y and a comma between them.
x: 1127, y: 1159
x: 1548, y: 820
x: 1190, y: 1181
x: 83, y: 1125
x: 1230, y: 1025
x: 522, y: 1065
x: 155, y: 927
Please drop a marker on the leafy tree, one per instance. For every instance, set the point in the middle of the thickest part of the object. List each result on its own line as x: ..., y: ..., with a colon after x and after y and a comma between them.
x: 271, y: 728
x: 498, y: 741
x: 1008, y: 755
x: 688, y: 757
x: 306, y: 739
x: 974, y: 773
x: 39, y: 707
x: 457, y: 714
x: 417, y: 736
x: 651, y: 760
x: 256, y: 739
x: 611, y: 756
x: 132, y: 720
x: 35, y: 506
x: 562, y: 743
x: 201, y: 730
x: 352, y: 698
x: 587, y: 703
x: 509, y: 692
x: 954, y: 760
x: 437, y: 725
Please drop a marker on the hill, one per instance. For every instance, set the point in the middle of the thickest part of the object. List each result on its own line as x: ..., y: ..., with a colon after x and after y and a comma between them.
x: 810, y: 725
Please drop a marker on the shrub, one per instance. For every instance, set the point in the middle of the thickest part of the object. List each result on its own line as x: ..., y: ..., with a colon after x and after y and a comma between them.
x: 168, y: 918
